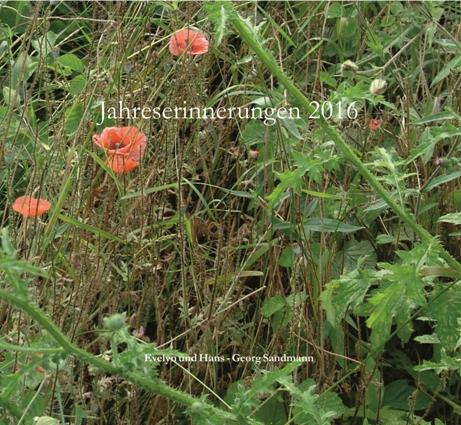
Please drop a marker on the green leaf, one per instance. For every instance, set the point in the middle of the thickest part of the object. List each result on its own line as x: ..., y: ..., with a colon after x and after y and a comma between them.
x: 218, y: 12
x: 77, y: 85
x: 329, y: 225
x: 445, y: 71
x: 263, y: 383
x: 71, y: 61
x: 286, y: 257
x: 11, y: 97
x: 346, y: 292
x: 431, y: 136
x: 45, y: 44
x: 401, y: 292
x: 445, y: 308
x: 399, y: 395
x: 308, y: 408
x: 7, y: 246
x: 442, y: 180
x: 22, y: 70
x: 453, y: 218
x: 149, y: 191
x: 73, y: 116
x: 288, y: 180
x: 326, y: 78
x: 272, y: 411
x: 446, y: 363
x: 229, y: 277
x: 21, y: 267
x: 92, y: 229
x: 439, y: 116
x: 272, y: 305
x: 354, y: 254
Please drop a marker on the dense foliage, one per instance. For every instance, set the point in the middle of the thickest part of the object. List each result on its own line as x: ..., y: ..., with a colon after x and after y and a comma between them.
x: 332, y: 235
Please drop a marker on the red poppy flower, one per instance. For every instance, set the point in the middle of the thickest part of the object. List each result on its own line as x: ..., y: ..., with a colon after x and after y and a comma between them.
x: 374, y: 124
x: 188, y: 41
x: 125, y: 146
x: 31, y: 207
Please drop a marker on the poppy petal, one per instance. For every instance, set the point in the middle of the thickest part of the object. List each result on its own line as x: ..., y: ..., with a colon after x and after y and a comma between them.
x: 188, y: 41
x: 121, y: 164
x: 31, y: 207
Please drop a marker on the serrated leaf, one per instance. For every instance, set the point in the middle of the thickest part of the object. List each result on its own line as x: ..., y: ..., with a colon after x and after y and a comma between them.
x: 445, y: 308
x: 453, y: 218
x: 263, y: 383
x: 446, y: 363
x: 218, y: 13
x: 346, y: 292
x: 401, y: 292
x: 431, y: 136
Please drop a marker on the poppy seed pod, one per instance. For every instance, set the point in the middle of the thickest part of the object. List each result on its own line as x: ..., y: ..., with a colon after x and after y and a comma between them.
x: 378, y: 86
x: 349, y: 67
x: 115, y: 322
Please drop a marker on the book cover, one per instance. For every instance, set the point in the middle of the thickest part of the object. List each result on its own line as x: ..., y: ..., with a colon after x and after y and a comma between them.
x: 230, y: 212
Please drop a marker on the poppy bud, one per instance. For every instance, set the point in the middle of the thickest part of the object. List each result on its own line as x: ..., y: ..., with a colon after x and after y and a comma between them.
x: 196, y: 407
x: 378, y: 86
x: 438, y: 162
x: 115, y: 322
x: 349, y: 67
x: 254, y: 153
x: 374, y: 124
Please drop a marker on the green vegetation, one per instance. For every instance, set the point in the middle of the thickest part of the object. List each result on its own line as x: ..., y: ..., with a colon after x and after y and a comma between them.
x: 332, y: 237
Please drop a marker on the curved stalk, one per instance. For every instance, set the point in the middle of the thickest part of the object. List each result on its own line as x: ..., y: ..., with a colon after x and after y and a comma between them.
x: 153, y: 385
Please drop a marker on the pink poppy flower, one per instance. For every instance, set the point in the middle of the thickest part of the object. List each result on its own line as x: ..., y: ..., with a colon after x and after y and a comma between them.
x: 188, y: 41
x: 28, y: 206
x: 374, y: 124
x: 125, y: 146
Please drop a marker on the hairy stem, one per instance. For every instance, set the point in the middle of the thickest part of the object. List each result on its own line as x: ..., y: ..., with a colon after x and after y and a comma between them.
x: 153, y: 385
